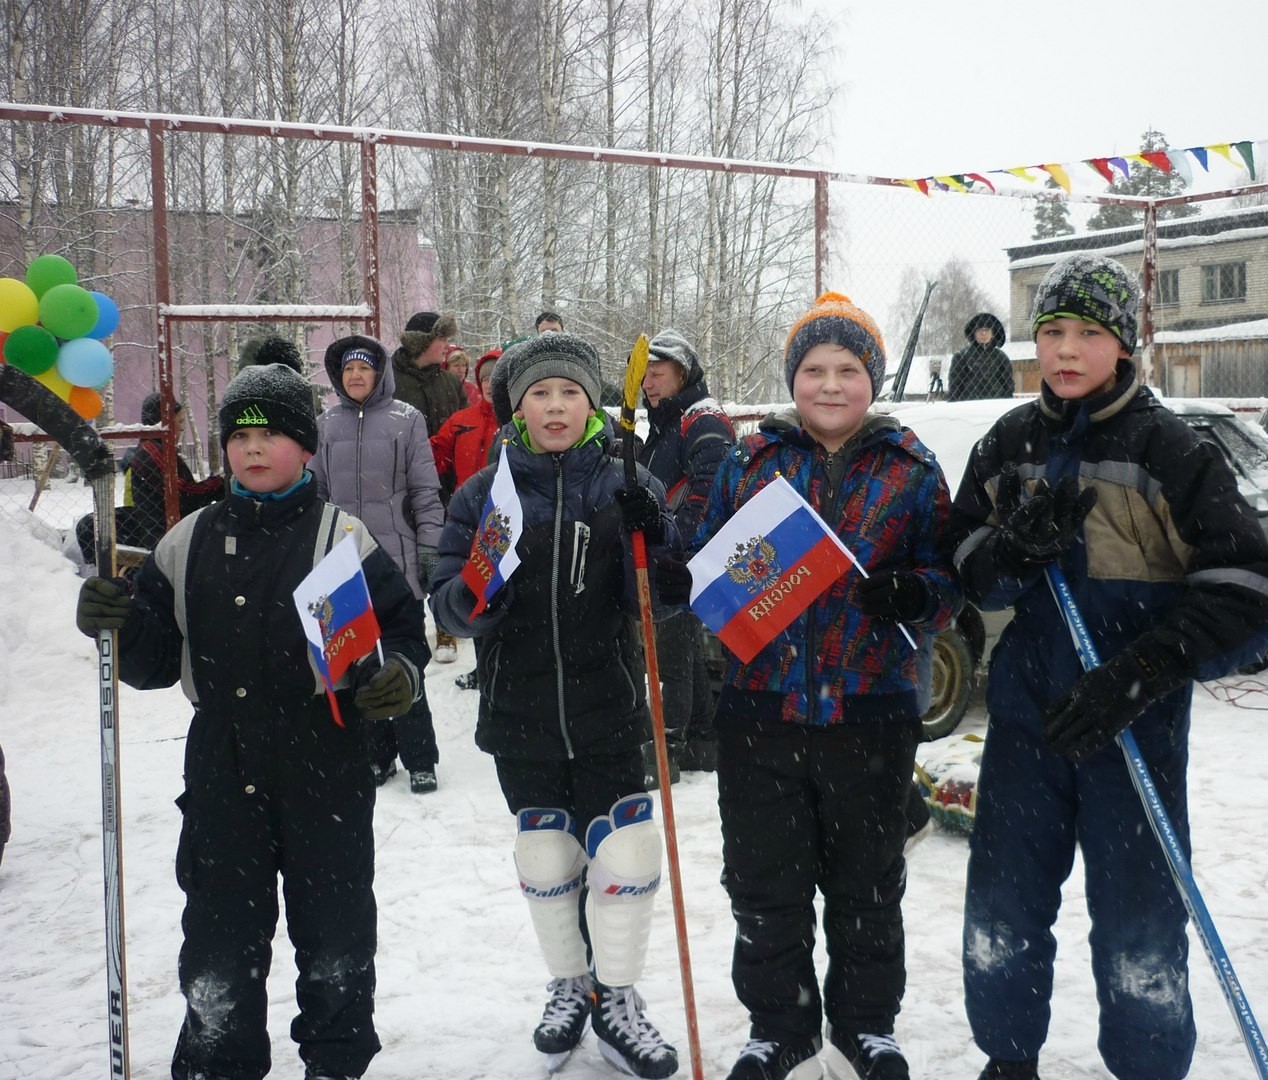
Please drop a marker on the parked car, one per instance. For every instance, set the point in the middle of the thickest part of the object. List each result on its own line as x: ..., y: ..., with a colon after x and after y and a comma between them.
x: 950, y: 430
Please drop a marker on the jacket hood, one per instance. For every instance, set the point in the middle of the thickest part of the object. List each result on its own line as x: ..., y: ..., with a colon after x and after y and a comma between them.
x: 984, y: 319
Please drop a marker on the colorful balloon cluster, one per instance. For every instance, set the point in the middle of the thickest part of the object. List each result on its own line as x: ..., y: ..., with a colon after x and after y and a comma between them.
x: 51, y: 328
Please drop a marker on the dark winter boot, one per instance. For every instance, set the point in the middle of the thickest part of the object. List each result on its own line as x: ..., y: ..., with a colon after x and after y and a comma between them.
x: 762, y: 1059
x: 423, y: 781
x: 626, y: 1037
x: 383, y: 773
x: 651, y: 771
x: 997, y: 1069
x: 564, y: 1021
x: 873, y: 1057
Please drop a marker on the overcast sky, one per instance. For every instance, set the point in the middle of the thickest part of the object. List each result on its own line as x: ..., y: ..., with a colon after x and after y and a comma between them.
x: 933, y: 87
x: 930, y: 88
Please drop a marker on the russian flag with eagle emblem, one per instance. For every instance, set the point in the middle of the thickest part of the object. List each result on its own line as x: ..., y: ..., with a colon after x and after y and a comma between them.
x: 763, y: 568
x: 493, y: 558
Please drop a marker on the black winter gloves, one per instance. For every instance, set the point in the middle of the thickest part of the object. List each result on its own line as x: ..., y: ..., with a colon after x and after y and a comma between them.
x: 388, y: 692
x: 103, y: 605
x: 673, y: 581
x: 1107, y: 699
x: 896, y: 595
x: 427, y: 559
x: 1036, y: 531
x: 640, y: 512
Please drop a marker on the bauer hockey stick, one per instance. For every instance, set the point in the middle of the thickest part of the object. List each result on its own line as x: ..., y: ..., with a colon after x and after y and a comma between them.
x: 57, y: 419
x: 1160, y: 822
x: 634, y: 371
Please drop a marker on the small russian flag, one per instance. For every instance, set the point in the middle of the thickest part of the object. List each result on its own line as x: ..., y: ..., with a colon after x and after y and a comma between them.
x: 339, y: 621
x: 493, y: 558
x: 764, y: 567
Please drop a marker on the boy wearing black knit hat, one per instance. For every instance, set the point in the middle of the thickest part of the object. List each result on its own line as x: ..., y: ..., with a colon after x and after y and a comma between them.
x: 817, y: 733
x: 272, y: 783
x: 563, y: 705
x: 1170, y: 571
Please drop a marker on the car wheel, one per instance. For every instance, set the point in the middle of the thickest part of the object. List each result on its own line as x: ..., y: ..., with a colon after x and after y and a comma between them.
x: 952, y: 684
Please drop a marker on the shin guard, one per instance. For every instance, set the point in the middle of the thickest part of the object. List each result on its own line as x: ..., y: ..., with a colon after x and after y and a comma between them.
x: 624, y: 848
x: 550, y: 863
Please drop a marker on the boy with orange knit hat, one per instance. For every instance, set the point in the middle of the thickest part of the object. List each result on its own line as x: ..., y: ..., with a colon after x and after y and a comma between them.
x: 817, y: 733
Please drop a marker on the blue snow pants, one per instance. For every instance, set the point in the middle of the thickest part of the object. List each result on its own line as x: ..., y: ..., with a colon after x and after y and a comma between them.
x: 1033, y: 807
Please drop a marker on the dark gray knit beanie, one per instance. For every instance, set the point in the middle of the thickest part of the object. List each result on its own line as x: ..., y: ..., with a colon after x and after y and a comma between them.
x: 1093, y: 288
x: 269, y: 396
x: 552, y: 355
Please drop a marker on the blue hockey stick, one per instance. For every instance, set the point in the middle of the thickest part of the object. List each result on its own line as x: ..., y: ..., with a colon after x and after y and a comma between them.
x: 1160, y: 821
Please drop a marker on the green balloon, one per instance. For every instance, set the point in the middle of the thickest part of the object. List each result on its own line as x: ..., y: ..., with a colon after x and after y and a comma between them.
x: 31, y: 349
x: 49, y: 271
x: 68, y: 311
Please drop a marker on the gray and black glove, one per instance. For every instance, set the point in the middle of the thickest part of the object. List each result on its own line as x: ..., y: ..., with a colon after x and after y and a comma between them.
x: 1033, y: 533
x: 427, y: 560
x: 388, y: 692
x: 103, y: 605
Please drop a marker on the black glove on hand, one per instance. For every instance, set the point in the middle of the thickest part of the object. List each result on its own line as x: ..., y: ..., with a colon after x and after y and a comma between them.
x: 103, y: 605
x: 1106, y: 700
x: 897, y: 595
x: 673, y: 581
x: 1036, y: 531
x: 427, y: 559
x: 640, y: 512
x: 387, y: 693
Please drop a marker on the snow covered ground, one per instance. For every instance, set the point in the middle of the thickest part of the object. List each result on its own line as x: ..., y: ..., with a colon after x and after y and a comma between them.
x: 460, y: 981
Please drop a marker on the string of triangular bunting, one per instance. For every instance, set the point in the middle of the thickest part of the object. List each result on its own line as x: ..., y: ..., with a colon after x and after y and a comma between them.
x: 1167, y: 161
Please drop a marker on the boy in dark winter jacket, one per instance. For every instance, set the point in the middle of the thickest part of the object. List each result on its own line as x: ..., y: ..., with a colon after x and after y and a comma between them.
x: 1170, y: 571
x: 981, y: 369
x: 688, y: 436
x: 272, y: 783
x: 817, y: 733
x: 563, y: 700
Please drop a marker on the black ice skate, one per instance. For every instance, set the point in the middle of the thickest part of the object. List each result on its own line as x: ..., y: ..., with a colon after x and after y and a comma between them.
x: 563, y: 1024
x: 626, y: 1038
x: 763, y: 1059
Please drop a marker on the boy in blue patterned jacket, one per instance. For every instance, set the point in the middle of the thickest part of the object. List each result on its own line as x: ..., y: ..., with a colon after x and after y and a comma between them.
x: 817, y: 734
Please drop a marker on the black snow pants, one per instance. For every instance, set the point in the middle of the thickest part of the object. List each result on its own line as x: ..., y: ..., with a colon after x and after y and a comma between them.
x: 825, y: 808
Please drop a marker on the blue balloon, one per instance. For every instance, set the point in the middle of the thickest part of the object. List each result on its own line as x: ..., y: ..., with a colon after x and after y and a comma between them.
x: 85, y: 362
x: 107, y: 316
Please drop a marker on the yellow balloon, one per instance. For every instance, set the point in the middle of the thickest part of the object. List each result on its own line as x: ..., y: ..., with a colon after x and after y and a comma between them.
x: 55, y: 382
x: 18, y: 305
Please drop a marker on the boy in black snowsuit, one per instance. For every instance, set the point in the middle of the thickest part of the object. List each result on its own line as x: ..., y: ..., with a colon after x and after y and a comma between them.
x: 1170, y: 571
x: 563, y: 699
x: 272, y: 783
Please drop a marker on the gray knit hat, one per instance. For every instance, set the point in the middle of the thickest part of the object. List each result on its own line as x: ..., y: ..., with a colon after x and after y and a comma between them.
x: 1093, y: 288
x: 671, y: 345
x: 836, y: 319
x: 552, y: 355
x: 269, y: 396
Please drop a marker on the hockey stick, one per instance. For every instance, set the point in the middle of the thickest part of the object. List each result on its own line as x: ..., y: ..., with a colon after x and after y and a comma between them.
x: 53, y: 416
x: 1160, y: 822
x: 634, y: 371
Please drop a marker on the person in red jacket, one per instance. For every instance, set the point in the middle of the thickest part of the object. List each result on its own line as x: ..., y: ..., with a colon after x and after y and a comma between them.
x: 461, y: 446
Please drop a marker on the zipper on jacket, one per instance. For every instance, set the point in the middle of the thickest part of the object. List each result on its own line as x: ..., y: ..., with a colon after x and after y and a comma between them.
x: 554, y: 603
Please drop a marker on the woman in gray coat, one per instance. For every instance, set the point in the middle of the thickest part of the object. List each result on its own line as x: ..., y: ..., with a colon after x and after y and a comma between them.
x: 374, y: 460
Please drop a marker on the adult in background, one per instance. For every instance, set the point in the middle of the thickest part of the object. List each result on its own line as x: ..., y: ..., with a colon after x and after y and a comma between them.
x: 982, y: 369
x: 422, y: 381
x: 458, y: 364
x: 688, y: 435
x: 548, y: 321
x: 374, y: 461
